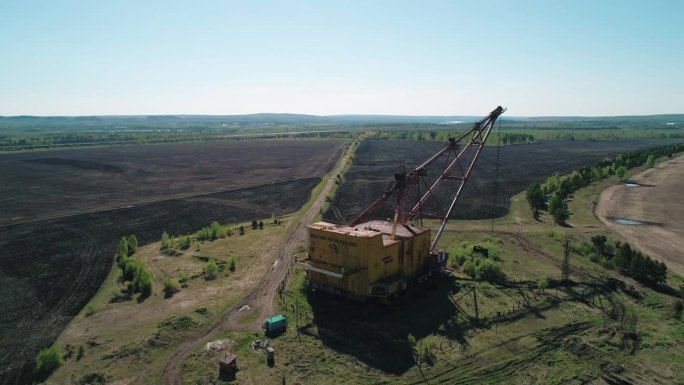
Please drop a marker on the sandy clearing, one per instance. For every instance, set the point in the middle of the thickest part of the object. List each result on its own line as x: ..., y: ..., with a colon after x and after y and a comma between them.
x: 659, y: 202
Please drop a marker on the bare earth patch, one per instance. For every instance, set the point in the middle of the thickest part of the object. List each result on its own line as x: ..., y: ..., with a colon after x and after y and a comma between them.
x: 659, y: 204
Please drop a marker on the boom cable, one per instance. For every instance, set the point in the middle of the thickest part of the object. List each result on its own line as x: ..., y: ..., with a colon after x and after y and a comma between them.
x: 496, y: 173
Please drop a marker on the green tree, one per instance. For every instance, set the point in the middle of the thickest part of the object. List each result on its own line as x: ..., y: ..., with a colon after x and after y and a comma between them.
x: 535, y: 197
x: 210, y: 269
x: 143, y: 282
x: 255, y: 224
x: 123, y: 248
x: 650, y: 161
x: 49, y: 359
x: 620, y: 172
x: 261, y: 225
x: 558, y: 209
x: 599, y: 243
x: 132, y: 244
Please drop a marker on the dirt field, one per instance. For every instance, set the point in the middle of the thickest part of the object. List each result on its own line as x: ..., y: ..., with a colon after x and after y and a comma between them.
x: 659, y: 204
x: 53, y: 261
x: 519, y: 165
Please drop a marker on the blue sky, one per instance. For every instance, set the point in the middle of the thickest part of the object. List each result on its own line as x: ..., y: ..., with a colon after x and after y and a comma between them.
x: 558, y: 57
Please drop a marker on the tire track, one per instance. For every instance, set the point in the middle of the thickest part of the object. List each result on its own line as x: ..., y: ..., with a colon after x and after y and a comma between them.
x: 88, y: 260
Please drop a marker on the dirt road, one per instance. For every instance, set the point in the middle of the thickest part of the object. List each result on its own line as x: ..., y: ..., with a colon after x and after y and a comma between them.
x: 659, y: 204
x: 262, y: 298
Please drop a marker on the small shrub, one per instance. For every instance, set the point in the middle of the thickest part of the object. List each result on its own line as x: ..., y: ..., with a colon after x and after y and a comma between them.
x: 81, y: 353
x: 184, y: 242
x: 171, y: 286
x: 129, y: 287
x: 582, y: 248
x: 93, y: 379
x: 233, y: 264
x: 607, y: 263
x: 89, y: 310
x: 428, y: 352
x: 543, y: 284
x: 165, y: 241
x: 678, y: 309
x: 183, y: 279
x: 210, y: 269
x: 145, y: 284
x: 557, y: 236
x: 49, y: 359
x: 411, y: 340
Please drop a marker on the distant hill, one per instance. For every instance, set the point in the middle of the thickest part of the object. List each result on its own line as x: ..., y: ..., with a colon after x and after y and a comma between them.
x: 264, y: 118
x: 108, y: 122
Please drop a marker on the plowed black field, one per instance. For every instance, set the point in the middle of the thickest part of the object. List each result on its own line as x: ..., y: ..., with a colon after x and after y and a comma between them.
x: 63, y: 212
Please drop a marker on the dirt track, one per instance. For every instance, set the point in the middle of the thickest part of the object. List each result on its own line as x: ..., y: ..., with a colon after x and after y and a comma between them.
x: 659, y: 202
x: 262, y: 298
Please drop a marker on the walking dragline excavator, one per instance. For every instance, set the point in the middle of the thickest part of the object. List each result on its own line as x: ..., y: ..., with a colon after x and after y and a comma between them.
x: 380, y: 258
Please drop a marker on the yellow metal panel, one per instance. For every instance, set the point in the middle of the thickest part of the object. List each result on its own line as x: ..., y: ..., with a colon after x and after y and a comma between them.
x: 364, y: 256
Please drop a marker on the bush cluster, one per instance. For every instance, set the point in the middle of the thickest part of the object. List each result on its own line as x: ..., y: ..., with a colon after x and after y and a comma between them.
x: 482, y: 265
x: 630, y: 262
x: 135, y: 277
x: 212, y: 232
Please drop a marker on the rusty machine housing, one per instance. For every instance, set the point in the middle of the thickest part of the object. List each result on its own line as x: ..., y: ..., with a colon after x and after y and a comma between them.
x: 381, y: 258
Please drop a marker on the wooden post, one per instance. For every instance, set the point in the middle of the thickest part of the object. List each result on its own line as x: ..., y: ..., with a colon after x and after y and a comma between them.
x: 477, y: 312
x: 298, y: 335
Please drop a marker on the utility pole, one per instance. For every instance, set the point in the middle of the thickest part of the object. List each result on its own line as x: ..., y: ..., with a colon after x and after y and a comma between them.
x: 565, y: 267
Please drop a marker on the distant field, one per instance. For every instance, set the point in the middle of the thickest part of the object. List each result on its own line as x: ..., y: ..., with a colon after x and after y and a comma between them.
x: 47, y: 184
x: 376, y: 162
x: 63, y: 212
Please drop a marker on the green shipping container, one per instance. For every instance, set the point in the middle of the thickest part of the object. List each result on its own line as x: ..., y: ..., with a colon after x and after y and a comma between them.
x: 275, y: 324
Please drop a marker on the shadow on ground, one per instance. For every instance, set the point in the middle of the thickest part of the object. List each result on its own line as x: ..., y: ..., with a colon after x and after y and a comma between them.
x: 377, y: 334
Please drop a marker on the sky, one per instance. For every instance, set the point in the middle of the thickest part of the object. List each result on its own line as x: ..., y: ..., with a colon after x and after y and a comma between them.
x: 537, y: 58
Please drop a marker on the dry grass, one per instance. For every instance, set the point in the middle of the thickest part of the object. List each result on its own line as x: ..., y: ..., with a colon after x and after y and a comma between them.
x: 523, y: 335
x: 128, y: 340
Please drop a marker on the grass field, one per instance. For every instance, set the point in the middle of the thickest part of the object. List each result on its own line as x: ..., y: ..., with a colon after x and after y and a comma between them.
x: 128, y: 342
x: 598, y: 328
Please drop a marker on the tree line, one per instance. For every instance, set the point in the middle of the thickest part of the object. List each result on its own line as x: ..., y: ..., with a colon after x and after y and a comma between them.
x: 502, y: 138
x: 626, y: 259
x: 556, y: 189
